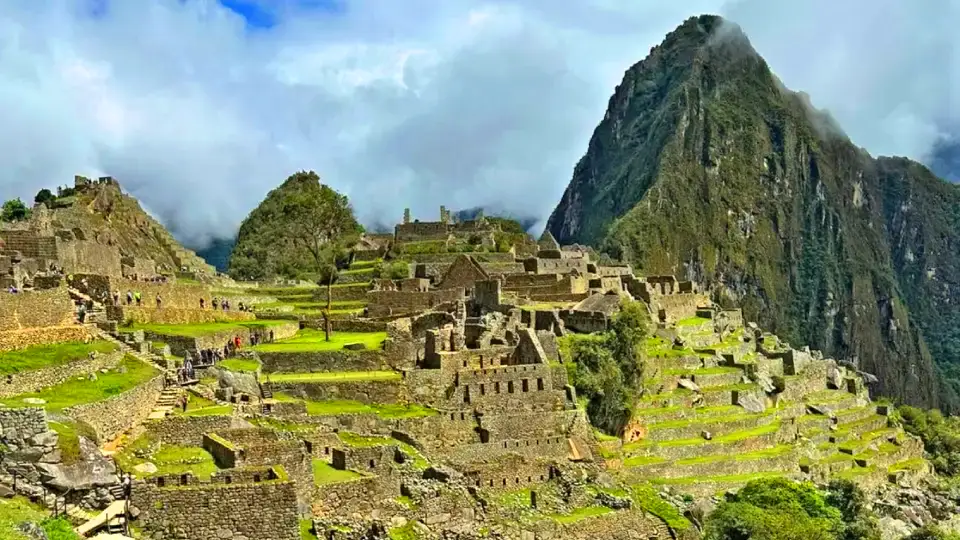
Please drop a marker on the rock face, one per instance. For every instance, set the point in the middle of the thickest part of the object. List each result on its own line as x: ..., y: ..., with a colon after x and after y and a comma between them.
x: 705, y: 167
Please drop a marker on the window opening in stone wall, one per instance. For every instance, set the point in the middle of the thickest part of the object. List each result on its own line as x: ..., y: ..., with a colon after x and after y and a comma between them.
x: 373, y: 464
x: 160, y: 482
x: 463, y: 416
x: 326, y: 450
x: 184, y: 479
x: 524, y: 386
x: 483, y: 389
x: 228, y: 480
x: 256, y: 478
x: 466, y: 394
x: 540, y: 384
x: 496, y: 387
x: 509, y: 387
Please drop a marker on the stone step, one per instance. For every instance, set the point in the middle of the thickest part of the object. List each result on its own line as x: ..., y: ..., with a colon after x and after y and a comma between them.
x: 747, y: 440
x: 846, y: 416
x: 864, y: 425
x: 678, y: 412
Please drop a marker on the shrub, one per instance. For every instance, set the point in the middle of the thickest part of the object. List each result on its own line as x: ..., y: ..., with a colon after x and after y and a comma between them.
x: 14, y: 210
x: 940, y: 435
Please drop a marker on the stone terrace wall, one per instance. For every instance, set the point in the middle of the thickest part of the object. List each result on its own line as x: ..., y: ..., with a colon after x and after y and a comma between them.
x: 89, y: 257
x: 679, y: 306
x: 116, y: 414
x: 11, y: 340
x: 189, y: 430
x: 384, y: 303
x: 168, y: 315
x: 21, y: 423
x: 363, y: 391
x: 31, y: 381
x: 360, y: 495
x: 174, y: 295
x: 305, y: 362
x: 29, y: 244
x: 264, y: 511
x: 31, y: 309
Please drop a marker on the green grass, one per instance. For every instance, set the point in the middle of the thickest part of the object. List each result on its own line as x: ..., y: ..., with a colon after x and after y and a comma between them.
x: 580, y: 514
x: 728, y: 438
x: 766, y: 453
x: 200, y: 329
x: 334, y: 376
x: 324, y: 473
x: 80, y: 391
x: 647, y: 498
x: 306, y: 530
x: 17, y: 510
x: 685, y: 422
x: 640, y: 461
x: 406, y: 532
x: 169, y: 459
x: 309, y: 340
x: 240, y: 365
x: 692, y: 321
x: 362, y: 441
x: 68, y: 440
x: 722, y: 478
x: 43, y: 356
x: 914, y: 464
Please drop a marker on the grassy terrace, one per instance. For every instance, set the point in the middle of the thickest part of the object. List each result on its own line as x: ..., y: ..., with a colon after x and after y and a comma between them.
x: 239, y: 365
x: 333, y: 377
x: 44, y: 356
x: 693, y: 321
x: 360, y: 441
x: 201, y: 406
x: 200, y: 330
x: 719, y: 370
x: 308, y: 340
x: 324, y: 473
x: 719, y: 479
x: 80, y: 391
x: 335, y: 407
x: 168, y: 458
x: 729, y: 438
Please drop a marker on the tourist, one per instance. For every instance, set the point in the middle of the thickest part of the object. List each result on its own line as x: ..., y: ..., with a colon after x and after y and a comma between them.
x: 271, y: 336
x: 216, y: 302
x: 126, y: 484
x: 225, y: 304
x: 240, y: 307
x: 116, y: 297
x: 129, y: 297
x: 136, y: 296
x: 201, y: 303
x: 158, y: 300
x: 82, y: 312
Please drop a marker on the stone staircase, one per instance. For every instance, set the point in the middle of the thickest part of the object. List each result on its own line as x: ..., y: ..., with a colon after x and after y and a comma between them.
x: 166, y: 402
x: 96, y: 315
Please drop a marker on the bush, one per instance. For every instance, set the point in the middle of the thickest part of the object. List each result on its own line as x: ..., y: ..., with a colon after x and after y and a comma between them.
x: 392, y: 270
x: 940, y: 435
x: 44, y: 196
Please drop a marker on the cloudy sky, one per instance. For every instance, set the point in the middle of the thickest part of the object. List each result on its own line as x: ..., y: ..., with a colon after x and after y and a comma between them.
x: 199, y: 107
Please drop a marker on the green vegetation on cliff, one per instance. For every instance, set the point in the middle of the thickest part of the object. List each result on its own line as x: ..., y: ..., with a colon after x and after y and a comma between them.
x: 705, y: 167
x: 298, y: 231
x: 606, y: 370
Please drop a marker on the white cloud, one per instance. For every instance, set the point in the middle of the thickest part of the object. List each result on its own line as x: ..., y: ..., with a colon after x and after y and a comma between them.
x: 415, y: 103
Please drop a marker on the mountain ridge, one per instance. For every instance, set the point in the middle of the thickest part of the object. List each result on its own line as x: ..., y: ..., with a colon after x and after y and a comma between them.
x: 704, y: 165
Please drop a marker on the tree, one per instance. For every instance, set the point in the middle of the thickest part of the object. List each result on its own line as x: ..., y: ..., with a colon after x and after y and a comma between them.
x: 320, y: 220
x: 14, y: 210
x: 44, y: 196
x: 327, y: 275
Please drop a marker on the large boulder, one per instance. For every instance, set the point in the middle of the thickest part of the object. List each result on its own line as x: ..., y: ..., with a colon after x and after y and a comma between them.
x: 90, y: 471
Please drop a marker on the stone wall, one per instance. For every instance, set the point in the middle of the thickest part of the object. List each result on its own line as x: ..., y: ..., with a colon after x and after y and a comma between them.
x: 392, y: 391
x: 385, y: 303
x: 89, y: 257
x: 29, y: 244
x: 555, y: 266
x: 342, y: 293
x: 22, y: 423
x: 11, y: 340
x: 585, y: 322
x: 360, y: 495
x: 116, y: 414
x: 307, y: 362
x: 168, y: 315
x: 31, y: 309
x: 31, y: 381
x: 173, y: 295
x: 261, y: 511
x: 676, y: 307
x: 188, y: 430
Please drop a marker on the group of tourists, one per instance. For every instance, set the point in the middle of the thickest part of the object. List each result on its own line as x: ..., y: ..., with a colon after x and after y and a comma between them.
x: 152, y: 279
x: 134, y: 297
x: 186, y: 373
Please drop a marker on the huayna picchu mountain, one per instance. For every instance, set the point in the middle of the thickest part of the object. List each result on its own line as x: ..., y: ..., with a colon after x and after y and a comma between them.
x: 706, y: 167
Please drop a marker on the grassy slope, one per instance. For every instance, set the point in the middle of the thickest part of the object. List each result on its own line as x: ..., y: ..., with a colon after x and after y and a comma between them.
x: 43, y: 356
x: 80, y: 391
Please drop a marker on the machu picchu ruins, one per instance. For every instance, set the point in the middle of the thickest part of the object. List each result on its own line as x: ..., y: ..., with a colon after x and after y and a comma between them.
x: 429, y: 392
